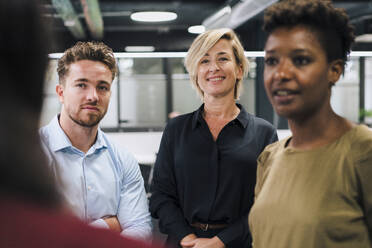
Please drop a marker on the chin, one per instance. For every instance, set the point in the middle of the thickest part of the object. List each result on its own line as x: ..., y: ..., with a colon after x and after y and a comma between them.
x: 286, y: 113
x: 221, y: 93
x: 90, y: 123
x: 293, y: 114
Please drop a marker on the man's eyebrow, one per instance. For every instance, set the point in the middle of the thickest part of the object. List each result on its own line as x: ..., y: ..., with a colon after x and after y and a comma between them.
x: 104, y: 82
x: 81, y: 80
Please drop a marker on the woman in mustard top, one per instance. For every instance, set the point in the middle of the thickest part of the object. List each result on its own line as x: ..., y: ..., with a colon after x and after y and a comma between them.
x: 313, y: 189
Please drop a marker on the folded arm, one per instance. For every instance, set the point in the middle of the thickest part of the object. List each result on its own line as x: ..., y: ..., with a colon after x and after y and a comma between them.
x: 133, y: 213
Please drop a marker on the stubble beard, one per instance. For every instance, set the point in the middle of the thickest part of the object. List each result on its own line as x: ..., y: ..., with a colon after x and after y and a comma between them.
x: 92, y: 122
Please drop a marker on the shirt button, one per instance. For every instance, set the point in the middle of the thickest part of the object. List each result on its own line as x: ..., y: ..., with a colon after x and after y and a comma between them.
x: 89, y: 187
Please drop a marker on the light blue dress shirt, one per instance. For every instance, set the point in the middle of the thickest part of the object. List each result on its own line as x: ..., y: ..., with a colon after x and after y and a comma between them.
x: 105, y: 181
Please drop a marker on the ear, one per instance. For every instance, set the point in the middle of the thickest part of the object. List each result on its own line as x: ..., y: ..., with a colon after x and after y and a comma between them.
x: 336, y: 68
x: 60, y: 91
x: 239, y: 72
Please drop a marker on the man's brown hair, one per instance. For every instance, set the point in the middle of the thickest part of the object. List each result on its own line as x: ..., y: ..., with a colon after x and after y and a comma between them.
x: 96, y: 51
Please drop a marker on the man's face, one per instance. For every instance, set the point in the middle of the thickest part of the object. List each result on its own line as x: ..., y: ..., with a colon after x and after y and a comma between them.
x: 85, y: 92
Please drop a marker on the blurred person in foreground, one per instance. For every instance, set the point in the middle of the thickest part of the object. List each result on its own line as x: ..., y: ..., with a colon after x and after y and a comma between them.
x: 205, y: 171
x: 314, y: 188
x: 31, y: 209
x: 102, y: 182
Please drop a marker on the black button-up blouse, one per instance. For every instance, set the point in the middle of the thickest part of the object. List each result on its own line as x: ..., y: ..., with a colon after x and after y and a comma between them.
x: 197, y: 179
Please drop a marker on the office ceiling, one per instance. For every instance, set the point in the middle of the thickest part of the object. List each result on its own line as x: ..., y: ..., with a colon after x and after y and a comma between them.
x: 119, y: 31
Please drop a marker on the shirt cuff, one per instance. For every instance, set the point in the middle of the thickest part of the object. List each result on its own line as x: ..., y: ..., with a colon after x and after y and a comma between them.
x: 100, y: 223
x: 179, y: 231
x: 235, y: 233
x: 143, y: 232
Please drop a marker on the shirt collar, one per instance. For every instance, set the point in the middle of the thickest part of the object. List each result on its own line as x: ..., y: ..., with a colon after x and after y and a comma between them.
x: 60, y: 140
x: 197, y: 116
x: 100, y: 142
x: 242, y: 118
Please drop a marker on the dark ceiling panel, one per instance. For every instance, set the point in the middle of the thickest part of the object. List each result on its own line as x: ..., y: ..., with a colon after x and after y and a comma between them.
x: 120, y: 30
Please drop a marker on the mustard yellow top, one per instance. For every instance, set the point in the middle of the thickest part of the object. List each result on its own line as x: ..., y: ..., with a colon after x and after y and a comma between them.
x: 315, y: 198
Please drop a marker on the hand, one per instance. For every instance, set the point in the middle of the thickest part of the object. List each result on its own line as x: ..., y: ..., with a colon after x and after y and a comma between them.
x: 186, y: 239
x: 214, y: 242
x: 113, y: 223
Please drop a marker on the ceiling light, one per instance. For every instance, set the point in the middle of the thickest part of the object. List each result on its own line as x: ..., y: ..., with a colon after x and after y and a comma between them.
x: 183, y: 54
x: 139, y: 48
x: 69, y: 23
x: 153, y: 16
x: 197, y: 29
x: 151, y: 55
x: 366, y: 38
x: 361, y: 54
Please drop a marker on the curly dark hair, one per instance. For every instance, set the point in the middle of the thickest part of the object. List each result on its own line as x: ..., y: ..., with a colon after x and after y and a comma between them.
x: 96, y: 51
x: 331, y: 24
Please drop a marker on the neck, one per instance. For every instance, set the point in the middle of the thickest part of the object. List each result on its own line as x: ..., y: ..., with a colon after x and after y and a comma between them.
x: 224, y: 108
x: 80, y: 137
x: 320, y: 129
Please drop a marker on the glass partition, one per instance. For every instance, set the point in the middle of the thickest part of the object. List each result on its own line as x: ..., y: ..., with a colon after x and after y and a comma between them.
x: 148, y: 88
x: 345, y: 93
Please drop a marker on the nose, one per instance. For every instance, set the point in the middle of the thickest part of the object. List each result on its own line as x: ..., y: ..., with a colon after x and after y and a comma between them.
x: 213, y: 66
x: 92, y: 95
x: 283, y: 71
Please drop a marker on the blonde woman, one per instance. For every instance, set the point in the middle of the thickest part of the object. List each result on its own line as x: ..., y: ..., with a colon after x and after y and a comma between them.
x: 205, y: 172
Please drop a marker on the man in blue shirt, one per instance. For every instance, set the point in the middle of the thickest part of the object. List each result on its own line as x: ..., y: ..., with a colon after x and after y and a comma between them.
x: 101, y: 183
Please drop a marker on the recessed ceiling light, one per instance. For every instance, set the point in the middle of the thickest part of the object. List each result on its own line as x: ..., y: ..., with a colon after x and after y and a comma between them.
x: 183, y: 54
x: 366, y: 38
x: 139, y: 48
x: 153, y: 16
x: 197, y: 29
x: 69, y: 23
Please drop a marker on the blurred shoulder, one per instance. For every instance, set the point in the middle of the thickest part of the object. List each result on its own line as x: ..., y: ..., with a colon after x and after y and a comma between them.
x: 360, y: 141
x: 271, y: 150
x: 261, y: 123
x: 181, y: 120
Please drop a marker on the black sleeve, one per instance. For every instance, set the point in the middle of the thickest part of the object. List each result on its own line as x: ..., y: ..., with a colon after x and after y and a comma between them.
x: 271, y: 137
x: 164, y: 201
x: 239, y: 230
x: 266, y: 136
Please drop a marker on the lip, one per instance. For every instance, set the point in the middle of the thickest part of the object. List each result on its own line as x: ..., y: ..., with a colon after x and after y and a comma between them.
x: 284, y: 96
x: 91, y: 108
x: 216, y: 79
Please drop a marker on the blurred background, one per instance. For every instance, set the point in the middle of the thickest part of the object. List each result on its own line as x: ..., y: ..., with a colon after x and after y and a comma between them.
x: 152, y: 80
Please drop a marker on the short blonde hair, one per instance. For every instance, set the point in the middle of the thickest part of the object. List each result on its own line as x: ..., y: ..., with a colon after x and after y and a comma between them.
x: 206, y: 41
